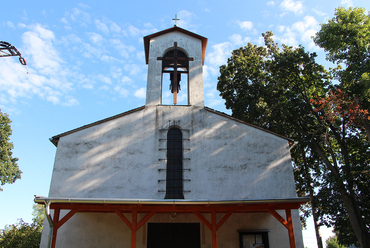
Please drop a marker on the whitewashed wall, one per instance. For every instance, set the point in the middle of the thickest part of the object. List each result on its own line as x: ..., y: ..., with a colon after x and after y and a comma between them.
x: 122, y: 158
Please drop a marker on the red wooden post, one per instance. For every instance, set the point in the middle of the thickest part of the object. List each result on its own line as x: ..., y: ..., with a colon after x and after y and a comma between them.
x: 290, y: 228
x: 55, y: 229
x: 133, y: 228
x: 214, y: 230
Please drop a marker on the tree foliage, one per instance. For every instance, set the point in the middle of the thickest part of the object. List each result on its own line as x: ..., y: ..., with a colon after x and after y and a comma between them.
x: 332, y: 242
x: 22, y: 234
x: 9, y: 171
x: 281, y: 89
x: 346, y: 39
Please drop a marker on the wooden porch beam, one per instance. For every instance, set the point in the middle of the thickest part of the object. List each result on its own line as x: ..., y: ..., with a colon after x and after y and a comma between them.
x: 145, y: 219
x: 55, y: 230
x: 214, y: 229
x: 127, y: 222
x: 290, y: 228
x: 204, y: 220
x: 134, y: 228
x: 222, y: 221
x: 287, y: 223
x: 65, y: 218
x: 279, y: 218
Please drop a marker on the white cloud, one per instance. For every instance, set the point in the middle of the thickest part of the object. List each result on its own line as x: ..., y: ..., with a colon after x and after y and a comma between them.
x: 290, y: 5
x: 185, y: 21
x: 133, y: 69
x: 306, y: 29
x: 116, y: 72
x: 122, y: 91
x: 70, y: 101
x: 309, y: 22
x: 104, y: 79
x: 79, y: 15
x: 219, y: 54
x: 47, y: 73
x: 288, y: 38
x: 95, y: 38
x: 72, y: 38
x: 114, y: 27
x: 271, y: 3
x: 123, y: 49
x: 64, y: 20
x: 126, y: 80
x: 109, y: 59
x: 238, y: 40
x: 246, y: 25
x: 347, y: 3
x: 89, y: 51
x: 39, y: 45
x: 134, y: 31
x: 101, y: 26
x: 318, y: 12
x: 10, y: 24
x: 22, y: 25
x: 281, y: 28
x: 140, y: 93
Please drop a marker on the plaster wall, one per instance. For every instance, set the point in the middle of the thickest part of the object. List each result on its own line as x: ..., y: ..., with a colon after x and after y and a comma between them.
x: 193, y: 47
x: 123, y: 158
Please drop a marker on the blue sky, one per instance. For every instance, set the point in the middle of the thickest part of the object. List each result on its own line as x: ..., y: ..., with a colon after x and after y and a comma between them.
x: 85, y: 62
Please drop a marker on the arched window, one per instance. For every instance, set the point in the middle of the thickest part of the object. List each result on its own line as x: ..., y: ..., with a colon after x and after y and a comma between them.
x: 175, y: 67
x: 174, y: 182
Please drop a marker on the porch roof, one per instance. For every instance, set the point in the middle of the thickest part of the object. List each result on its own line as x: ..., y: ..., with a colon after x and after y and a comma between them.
x: 153, y: 206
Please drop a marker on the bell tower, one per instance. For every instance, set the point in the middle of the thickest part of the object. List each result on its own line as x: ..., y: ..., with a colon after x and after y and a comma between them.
x: 180, y: 54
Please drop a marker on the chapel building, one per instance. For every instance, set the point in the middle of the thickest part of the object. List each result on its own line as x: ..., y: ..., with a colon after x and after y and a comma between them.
x: 183, y: 176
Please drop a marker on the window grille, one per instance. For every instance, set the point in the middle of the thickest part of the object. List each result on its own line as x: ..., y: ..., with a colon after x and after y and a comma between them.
x: 174, y: 177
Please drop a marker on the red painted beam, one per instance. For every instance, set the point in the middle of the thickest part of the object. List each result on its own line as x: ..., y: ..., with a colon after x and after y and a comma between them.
x: 134, y: 228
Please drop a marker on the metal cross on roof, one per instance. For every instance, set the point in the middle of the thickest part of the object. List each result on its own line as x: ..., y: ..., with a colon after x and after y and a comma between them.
x: 176, y: 19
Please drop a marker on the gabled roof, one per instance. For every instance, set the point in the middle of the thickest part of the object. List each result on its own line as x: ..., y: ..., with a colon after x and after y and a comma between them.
x: 173, y: 29
x: 56, y: 138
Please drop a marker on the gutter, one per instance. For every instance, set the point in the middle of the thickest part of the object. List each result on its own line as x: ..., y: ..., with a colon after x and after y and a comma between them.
x: 50, y: 200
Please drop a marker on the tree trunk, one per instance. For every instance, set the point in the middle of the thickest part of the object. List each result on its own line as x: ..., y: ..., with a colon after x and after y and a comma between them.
x: 349, y: 200
x: 357, y: 223
x: 315, y: 220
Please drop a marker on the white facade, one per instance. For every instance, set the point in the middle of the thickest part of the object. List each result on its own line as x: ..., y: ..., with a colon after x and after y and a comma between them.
x: 125, y: 157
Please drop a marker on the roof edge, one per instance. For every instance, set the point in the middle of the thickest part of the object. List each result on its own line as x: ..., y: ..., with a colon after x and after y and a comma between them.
x: 249, y: 124
x: 149, y: 37
x: 55, y: 139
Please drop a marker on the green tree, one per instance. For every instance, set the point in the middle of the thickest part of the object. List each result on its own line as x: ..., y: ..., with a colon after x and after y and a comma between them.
x: 346, y: 39
x: 24, y: 234
x: 279, y: 89
x: 332, y: 242
x: 9, y: 171
x: 38, y: 214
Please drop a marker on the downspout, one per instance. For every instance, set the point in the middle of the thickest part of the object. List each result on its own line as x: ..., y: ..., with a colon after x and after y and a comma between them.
x: 50, y: 220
